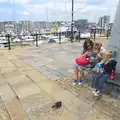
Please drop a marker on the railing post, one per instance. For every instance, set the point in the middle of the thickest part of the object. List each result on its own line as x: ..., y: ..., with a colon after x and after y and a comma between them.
x: 36, y: 39
x: 100, y: 32
x: 8, y: 37
x: 79, y: 35
x: 94, y: 35
x: 108, y: 34
x: 59, y: 37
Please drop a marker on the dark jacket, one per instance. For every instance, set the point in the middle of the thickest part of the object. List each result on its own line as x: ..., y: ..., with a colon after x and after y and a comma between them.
x: 111, y: 65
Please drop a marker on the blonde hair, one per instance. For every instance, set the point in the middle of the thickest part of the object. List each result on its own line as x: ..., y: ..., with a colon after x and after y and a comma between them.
x: 109, y: 53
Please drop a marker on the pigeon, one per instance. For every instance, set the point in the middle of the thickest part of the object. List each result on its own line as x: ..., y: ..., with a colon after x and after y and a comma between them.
x: 57, y: 105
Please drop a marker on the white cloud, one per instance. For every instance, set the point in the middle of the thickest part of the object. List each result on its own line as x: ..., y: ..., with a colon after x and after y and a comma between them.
x: 15, y: 1
x: 26, y: 13
x: 61, y: 9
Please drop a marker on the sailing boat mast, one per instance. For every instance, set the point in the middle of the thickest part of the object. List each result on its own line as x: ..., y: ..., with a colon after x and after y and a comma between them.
x: 47, y: 20
x: 72, y: 21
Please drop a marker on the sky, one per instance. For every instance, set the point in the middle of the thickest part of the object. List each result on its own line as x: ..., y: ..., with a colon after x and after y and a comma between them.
x: 54, y: 10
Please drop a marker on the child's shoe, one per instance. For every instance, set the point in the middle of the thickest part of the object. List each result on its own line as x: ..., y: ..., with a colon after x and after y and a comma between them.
x: 75, y: 82
x: 81, y: 82
x: 97, y: 93
x: 94, y: 91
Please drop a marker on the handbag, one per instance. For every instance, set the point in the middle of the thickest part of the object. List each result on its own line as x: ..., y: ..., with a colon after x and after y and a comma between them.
x: 82, y: 61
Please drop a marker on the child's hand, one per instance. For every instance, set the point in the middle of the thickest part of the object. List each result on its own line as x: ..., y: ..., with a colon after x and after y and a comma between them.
x: 98, y: 56
x: 86, y: 54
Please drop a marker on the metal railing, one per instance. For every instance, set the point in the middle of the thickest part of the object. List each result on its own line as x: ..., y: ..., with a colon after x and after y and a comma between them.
x: 37, y: 38
x: 10, y: 43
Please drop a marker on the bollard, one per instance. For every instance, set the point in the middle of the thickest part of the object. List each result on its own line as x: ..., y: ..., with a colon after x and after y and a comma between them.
x: 94, y: 35
x: 59, y: 37
x: 36, y: 39
x: 100, y: 31
x: 107, y: 36
x: 79, y: 35
x: 8, y: 37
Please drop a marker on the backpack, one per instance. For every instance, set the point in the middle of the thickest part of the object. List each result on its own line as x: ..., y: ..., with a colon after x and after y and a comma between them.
x: 111, y: 65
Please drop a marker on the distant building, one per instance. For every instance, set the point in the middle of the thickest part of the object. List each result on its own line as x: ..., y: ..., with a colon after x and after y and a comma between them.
x: 81, y: 24
x: 104, y: 21
x: 25, y: 25
x: 100, y: 22
x: 9, y: 26
x: 91, y: 25
x: 40, y: 25
x: 2, y: 26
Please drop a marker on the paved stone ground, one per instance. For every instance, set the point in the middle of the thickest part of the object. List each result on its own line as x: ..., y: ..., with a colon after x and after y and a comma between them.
x: 54, y: 61
x: 32, y: 79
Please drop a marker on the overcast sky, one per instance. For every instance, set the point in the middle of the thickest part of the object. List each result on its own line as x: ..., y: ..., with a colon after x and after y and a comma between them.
x: 56, y: 9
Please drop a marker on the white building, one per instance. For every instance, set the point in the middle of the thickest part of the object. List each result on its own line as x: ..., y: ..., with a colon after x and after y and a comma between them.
x: 104, y: 21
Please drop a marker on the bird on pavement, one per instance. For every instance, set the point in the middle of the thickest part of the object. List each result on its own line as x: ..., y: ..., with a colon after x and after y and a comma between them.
x: 57, y: 105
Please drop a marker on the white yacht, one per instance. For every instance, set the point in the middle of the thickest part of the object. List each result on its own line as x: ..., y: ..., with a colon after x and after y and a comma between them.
x: 3, y: 42
x: 28, y: 40
x: 16, y: 40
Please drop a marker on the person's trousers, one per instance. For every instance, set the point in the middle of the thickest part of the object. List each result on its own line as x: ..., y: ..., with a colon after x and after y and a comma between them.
x: 98, y: 81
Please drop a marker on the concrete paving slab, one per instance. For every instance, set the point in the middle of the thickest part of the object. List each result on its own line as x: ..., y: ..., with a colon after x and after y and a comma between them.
x: 3, y: 59
x: 12, y: 73
x: 49, y: 87
x: 26, y: 90
x: 46, y: 113
x: 2, y: 80
x: 38, y: 99
x: 98, y: 116
x: 11, y: 57
x: 51, y: 66
x: 3, y: 112
x: 6, y: 93
x: 8, y: 69
x: 80, y: 108
x: 65, y: 72
x: 25, y: 68
x: 35, y: 75
x: 40, y: 63
x: 18, y: 62
x: 6, y: 64
x: 16, y: 110
x: 107, y: 108
x: 49, y: 72
x: 28, y: 57
x: 18, y: 80
x: 53, y: 77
